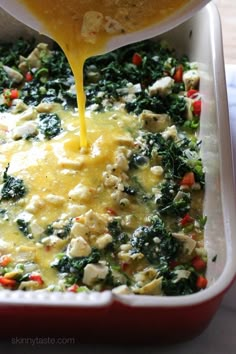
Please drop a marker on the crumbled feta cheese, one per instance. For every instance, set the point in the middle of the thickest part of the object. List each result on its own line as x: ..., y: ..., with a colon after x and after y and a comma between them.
x: 121, y: 161
x: 78, y: 247
x: 181, y: 274
x: 79, y: 229
x: 35, y: 204
x: 110, y: 180
x: 81, y: 192
x: 125, y: 247
x: 74, y: 210
x: 162, y: 87
x: 51, y: 240
x: 157, y: 170
x: 170, y: 132
x: 103, y: 241
x: 96, y: 222
x: 55, y: 199
x: 94, y: 273
x: 24, y: 131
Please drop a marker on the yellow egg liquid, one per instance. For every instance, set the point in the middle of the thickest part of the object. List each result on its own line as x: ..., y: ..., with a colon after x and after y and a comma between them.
x: 82, y: 28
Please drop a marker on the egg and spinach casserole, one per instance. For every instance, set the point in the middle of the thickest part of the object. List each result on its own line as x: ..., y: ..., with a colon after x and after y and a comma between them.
x: 125, y: 213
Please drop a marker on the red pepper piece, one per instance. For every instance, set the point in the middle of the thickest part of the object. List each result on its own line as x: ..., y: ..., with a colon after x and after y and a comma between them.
x: 14, y: 94
x: 8, y: 283
x: 137, y: 59
x: 73, y: 288
x: 187, y: 219
x: 9, y: 95
x: 188, y: 179
x: 198, y: 264
x: 5, y: 260
x: 111, y: 212
x: 178, y: 75
x: 197, y: 108
x: 36, y: 277
x: 201, y: 282
x: 191, y: 92
x: 28, y: 76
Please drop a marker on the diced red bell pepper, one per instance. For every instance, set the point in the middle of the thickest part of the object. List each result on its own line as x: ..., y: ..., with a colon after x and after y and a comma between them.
x: 14, y: 94
x: 5, y: 260
x: 198, y: 264
x: 137, y: 59
x: 191, y: 93
x: 188, y: 179
x: 178, y: 75
x: 73, y: 288
x: 28, y: 76
x: 201, y: 282
x: 9, y: 95
x: 197, y: 107
x: 8, y: 283
x: 187, y: 219
x: 111, y: 212
x: 36, y: 277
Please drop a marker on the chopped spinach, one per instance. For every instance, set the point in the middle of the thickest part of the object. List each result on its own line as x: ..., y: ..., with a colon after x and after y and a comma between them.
x: 75, y: 266
x: 171, y: 200
x: 184, y: 286
x: 177, y: 157
x: 13, y: 188
x: 155, y: 242
x: 24, y: 227
x: 61, y: 232
x: 117, y: 233
x: 49, y: 124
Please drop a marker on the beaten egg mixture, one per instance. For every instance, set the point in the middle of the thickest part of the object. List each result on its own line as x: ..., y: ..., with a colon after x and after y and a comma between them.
x: 83, y: 27
x: 125, y: 213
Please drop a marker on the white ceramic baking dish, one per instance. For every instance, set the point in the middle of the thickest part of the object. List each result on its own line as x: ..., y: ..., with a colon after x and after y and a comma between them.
x: 106, y: 316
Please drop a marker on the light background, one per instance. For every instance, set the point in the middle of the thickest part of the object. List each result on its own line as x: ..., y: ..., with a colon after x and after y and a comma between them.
x: 227, y: 9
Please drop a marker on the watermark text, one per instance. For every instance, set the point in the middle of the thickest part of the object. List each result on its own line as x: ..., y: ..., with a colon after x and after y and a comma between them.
x: 43, y: 341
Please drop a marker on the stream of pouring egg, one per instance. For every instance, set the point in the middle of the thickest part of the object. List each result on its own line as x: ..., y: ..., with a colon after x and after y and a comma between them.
x: 82, y: 28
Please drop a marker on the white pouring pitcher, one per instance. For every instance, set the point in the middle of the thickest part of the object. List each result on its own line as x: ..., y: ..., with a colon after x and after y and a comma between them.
x: 22, y: 13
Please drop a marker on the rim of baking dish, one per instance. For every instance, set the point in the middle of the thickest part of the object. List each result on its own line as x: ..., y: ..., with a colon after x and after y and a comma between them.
x: 106, y: 298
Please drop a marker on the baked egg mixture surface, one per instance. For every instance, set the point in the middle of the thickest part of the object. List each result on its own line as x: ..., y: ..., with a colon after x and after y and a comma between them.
x: 82, y: 28
x: 124, y: 213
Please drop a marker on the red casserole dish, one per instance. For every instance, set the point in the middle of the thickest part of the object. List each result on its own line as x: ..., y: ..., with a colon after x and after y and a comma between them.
x: 108, y: 317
